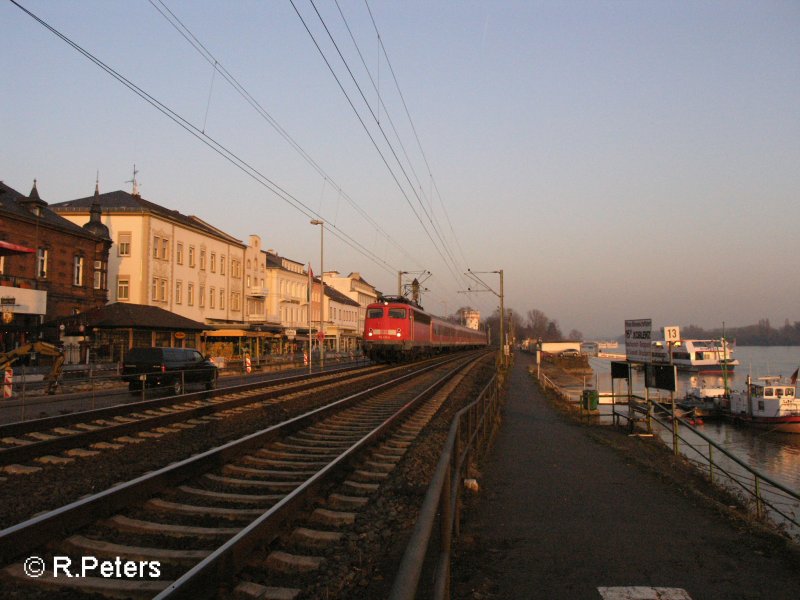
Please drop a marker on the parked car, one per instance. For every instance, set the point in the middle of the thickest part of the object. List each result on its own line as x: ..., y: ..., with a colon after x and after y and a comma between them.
x: 569, y: 353
x: 167, y: 367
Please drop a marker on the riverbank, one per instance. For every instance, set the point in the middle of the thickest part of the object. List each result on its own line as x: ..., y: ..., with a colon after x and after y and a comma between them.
x: 568, y: 507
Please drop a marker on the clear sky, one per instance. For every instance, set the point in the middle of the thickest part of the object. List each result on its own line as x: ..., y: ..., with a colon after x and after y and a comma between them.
x: 616, y: 159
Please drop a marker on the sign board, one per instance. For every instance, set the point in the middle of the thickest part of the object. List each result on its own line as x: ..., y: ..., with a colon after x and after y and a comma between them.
x: 638, y: 335
x: 291, y: 333
x: 661, y: 377
x: 620, y: 370
x: 672, y: 333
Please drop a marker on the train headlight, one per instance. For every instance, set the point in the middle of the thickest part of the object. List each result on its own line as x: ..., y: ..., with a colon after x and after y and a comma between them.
x: 399, y: 333
x: 370, y: 332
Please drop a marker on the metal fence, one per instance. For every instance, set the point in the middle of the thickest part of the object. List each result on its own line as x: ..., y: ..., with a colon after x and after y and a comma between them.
x: 767, y: 498
x: 469, y: 434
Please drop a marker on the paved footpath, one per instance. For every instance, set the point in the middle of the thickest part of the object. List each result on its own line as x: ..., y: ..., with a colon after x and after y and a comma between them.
x: 562, y: 516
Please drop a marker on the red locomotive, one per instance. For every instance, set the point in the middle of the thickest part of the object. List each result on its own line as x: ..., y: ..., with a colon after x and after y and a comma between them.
x: 397, y: 328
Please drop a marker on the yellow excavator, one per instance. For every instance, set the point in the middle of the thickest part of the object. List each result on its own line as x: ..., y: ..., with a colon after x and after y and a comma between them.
x: 9, y: 358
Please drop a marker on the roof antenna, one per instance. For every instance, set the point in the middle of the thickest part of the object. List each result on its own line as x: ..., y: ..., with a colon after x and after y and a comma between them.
x: 135, y: 191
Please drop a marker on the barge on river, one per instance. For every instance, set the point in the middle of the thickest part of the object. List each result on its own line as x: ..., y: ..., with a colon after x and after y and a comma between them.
x: 771, y: 404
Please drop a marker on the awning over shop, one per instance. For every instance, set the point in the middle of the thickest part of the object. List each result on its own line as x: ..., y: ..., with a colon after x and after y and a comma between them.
x: 238, y: 333
x: 9, y: 249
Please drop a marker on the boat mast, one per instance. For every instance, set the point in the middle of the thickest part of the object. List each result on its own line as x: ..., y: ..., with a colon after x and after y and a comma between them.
x: 724, y: 361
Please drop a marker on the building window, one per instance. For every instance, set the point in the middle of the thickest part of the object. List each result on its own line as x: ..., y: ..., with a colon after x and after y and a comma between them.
x: 202, y: 259
x: 222, y: 265
x: 100, y: 275
x: 248, y: 281
x: 212, y: 297
x: 77, y: 270
x: 164, y: 248
x: 201, y: 296
x: 191, y: 256
x: 222, y: 299
x: 124, y: 244
x: 213, y: 262
x: 159, y: 289
x: 123, y: 288
x: 190, y: 294
x: 236, y: 268
x: 178, y: 292
x: 179, y: 253
x: 41, y: 263
x: 156, y: 246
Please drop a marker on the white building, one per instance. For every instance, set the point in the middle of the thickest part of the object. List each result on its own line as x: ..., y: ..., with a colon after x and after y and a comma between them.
x: 471, y: 318
x: 356, y: 288
x: 163, y: 258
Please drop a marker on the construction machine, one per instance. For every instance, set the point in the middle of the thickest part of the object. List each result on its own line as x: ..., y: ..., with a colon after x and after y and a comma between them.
x: 9, y: 358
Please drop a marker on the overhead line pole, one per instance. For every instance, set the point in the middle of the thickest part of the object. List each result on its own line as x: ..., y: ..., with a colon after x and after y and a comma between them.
x: 474, y: 276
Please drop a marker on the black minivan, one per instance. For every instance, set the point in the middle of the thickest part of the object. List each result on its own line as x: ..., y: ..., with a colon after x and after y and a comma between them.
x: 167, y: 367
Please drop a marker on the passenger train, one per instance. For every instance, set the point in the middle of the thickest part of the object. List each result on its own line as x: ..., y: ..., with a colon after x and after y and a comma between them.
x: 397, y: 328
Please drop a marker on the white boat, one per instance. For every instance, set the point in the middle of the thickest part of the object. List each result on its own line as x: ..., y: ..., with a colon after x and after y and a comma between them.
x: 705, y: 398
x: 696, y: 355
x: 772, y: 404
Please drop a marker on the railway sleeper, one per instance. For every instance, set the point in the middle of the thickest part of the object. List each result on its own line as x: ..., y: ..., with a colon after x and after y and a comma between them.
x: 248, y: 590
x: 282, y: 486
x: 110, y: 588
x: 297, y: 476
x: 268, y: 499
x: 89, y: 547
x: 285, y: 563
x: 314, y: 539
x: 285, y: 464
x: 317, y: 454
x: 233, y: 514
x: 127, y: 525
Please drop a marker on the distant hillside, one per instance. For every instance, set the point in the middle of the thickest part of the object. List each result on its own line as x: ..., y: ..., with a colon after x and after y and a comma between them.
x: 762, y: 334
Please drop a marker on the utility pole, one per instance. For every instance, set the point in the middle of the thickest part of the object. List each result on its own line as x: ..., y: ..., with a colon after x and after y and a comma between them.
x: 503, y: 336
x: 321, y: 333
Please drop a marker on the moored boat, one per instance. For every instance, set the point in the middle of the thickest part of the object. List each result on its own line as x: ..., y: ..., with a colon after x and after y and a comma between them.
x: 771, y: 404
x: 696, y: 355
x: 706, y: 400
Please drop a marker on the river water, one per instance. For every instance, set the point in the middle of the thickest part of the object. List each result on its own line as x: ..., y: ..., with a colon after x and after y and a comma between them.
x: 775, y: 455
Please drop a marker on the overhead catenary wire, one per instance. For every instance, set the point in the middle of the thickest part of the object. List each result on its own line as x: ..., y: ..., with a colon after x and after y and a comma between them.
x: 184, y: 31
x: 213, y: 144
x: 416, y: 135
x: 449, y: 264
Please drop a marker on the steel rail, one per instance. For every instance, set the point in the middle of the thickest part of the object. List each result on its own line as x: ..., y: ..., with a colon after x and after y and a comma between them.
x: 19, y: 539
x: 16, y: 454
x: 23, y: 427
x: 204, y: 578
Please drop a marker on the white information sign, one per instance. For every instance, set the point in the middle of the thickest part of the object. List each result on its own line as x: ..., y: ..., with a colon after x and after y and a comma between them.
x: 672, y: 333
x: 638, y: 336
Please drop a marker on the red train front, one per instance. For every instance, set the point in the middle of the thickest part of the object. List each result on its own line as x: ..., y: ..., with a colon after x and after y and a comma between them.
x: 396, y: 328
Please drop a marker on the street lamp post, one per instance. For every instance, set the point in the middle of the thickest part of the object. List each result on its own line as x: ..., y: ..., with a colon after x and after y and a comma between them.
x: 321, y: 334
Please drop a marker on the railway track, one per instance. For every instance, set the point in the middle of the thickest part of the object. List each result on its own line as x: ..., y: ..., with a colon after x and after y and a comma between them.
x: 62, y: 439
x: 214, y: 512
